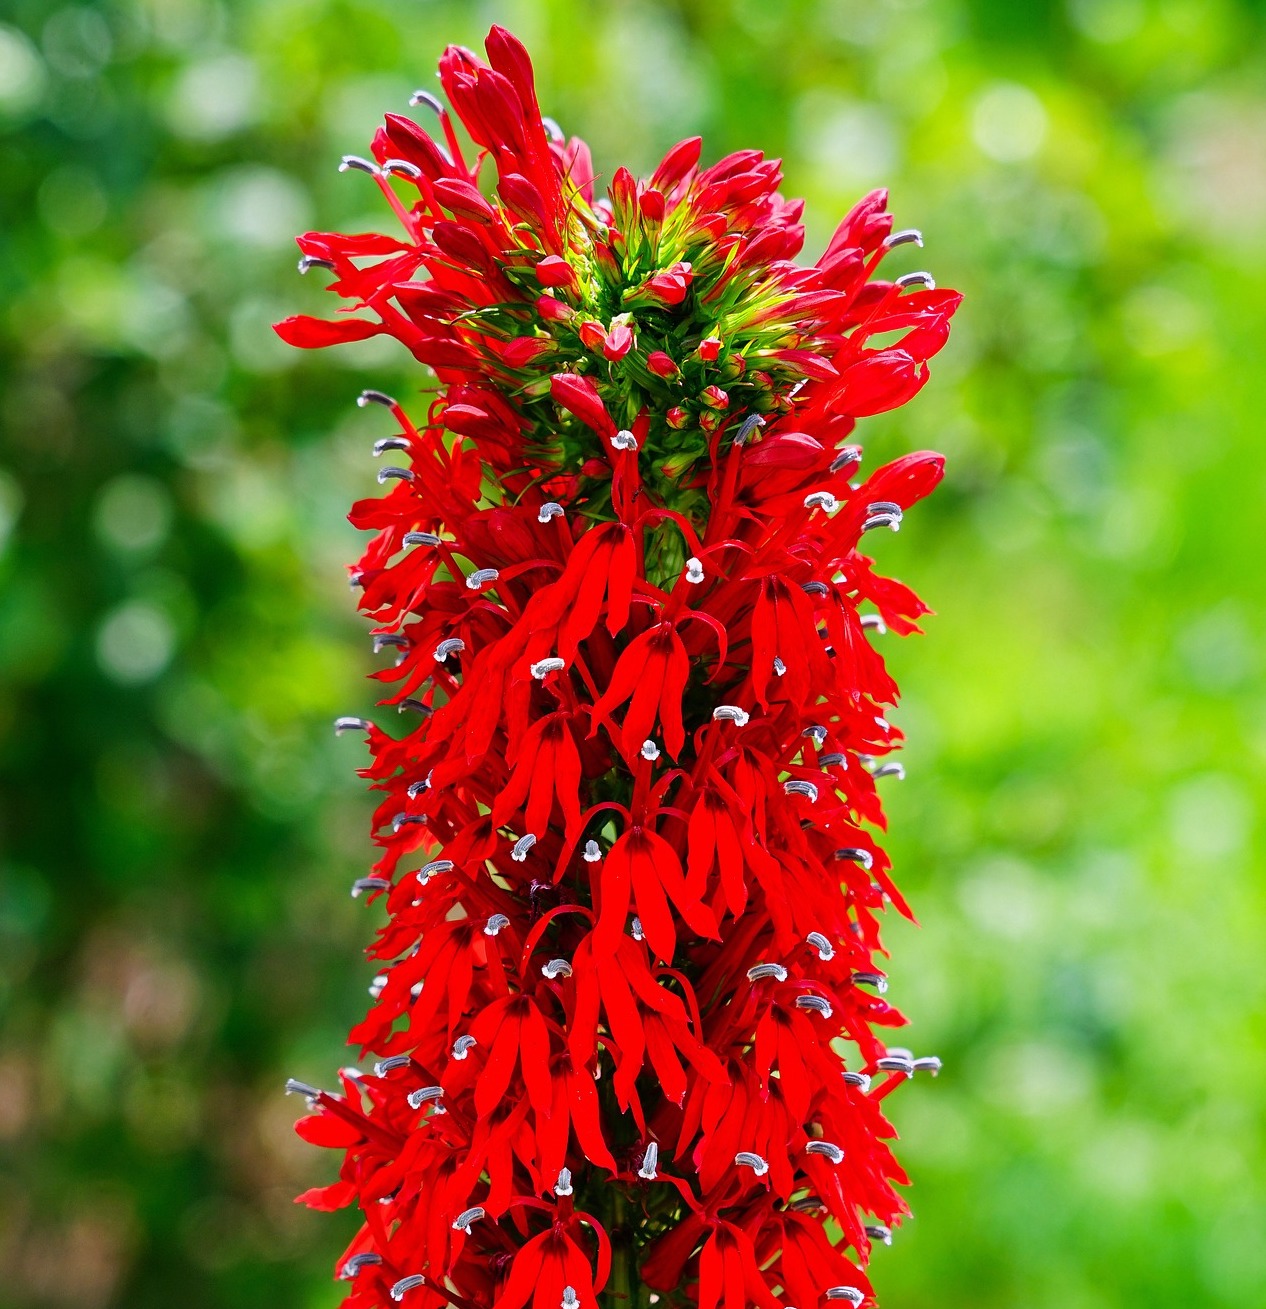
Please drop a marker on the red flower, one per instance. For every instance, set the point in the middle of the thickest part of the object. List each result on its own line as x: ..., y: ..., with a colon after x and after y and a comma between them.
x: 627, y: 827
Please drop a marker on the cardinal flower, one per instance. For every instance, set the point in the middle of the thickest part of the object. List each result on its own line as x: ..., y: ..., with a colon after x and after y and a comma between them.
x: 623, y: 581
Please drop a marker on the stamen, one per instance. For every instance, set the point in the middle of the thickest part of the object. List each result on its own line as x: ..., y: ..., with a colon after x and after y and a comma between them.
x: 519, y: 851
x: 384, y: 639
x: 377, y: 986
x: 342, y: 725
x: 420, y: 538
x: 875, y: 622
x: 748, y: 426
x: 557, y: 968
x: 877, y: 980
x: 890, y: 770
x: 779, y: 667
x: 416, y: 788
x: 481, y: 577
x: 495, y: 924
x: 376, y: 398
x: 799, y: 787
x: 463, y: 1046
x: 551, y: 509
x: 407, y: 1284
x: 650, y: 1161
x: 815, y: 588
x: 849, y: 1293
x: 593, y: 852
x: 731, y: 713
x: 883, y: 513
x: 563, y: 1186
x: 392, y: 473
x: 416, y: 706
x: 747, y: 1159
x: 823, y: 500
x: 624, y: 440
x: 814, y: 1004
x: 296, y: 1087
x: 907, y: 236
x: 402, y: 168
x: 762, y: 971
x: 650, y: 750
x: 879, y: 1232
x: 390, y: 443
x: 828, y: 1149
x: 426, y: 98
x: 817, y: 732
x: 424, y: 1095
x: 434, y: 868
x: 858, y: 856
x: 356, y: 1263
x: 403, y: 820
x: 552, y: 128
x: 569, y: 1300
x: 543, y: 667
x: 896, y: 1062
x: 921, y: 278
x: 391, y: 1063
x: 832, y: 760
x: 363, y: 884
x: 361, y: 165
x: 454, y: 645
x: 928, y: 1063
x: 694, y: 570
x: 826, y: 951
x: 312, y: 261
x: 861, y: 1080
x: 850, y: 454
x: 635, y: 928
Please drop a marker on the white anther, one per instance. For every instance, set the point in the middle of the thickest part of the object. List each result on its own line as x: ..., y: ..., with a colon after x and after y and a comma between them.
x: 361, y: 165
x: 463, y: 1046
x: 694, y: 570
x: 858, y: 856
x: 356, y: 1263
x: 434, y: 868
x: 815, y: 588
x: 890, y: 770
x: 762, y: 971
x: 880, y: 1232
x: 389, y: 443
x: 495, y: 924
x: 563, y: 1186
x: 650, y: 750
x: 420, y: 538
x: 850, y: 454
x: 636, y: 929
x: 920, y: 278
x: 309, y: 1093
x: 551, y: 509
x: 907, y: 236
x: 823, y: 500
x: 827, y: 1149
x: 376, y: 398
x: 799, y: 787
x: 861, y: 1080
x: 569, y: 1300
x: 896, y: 1063
x: 480, y: 578
x: 624, y: 440
x: 402, y: 168
x: 377, y: 986
x: 593, y: 854
x: 849, y: 1293
x: 424, y: 1095
x: 650, y: 1161
x: 307, y: 262
x: 543, y: 667
x: 363, y: 884
x: 453, y: 645
x: 407, y: 1284
x: 390, y: 1064
x: 877, y: 980
x: 556, y: 968
x: 875, y: 623
x: 519, y: 851
x: 464, y: 1219
x: 928, y: 1063
x: 826, y: 951
x: 732, y: 713
x: 747, y: 1159
x: 342, y: 725
x: 392, y: 473
x: 817, y: 732
x: 779, y: 667
x: 814, y: 1004
x: 833, y: 759
x: 748, y: 426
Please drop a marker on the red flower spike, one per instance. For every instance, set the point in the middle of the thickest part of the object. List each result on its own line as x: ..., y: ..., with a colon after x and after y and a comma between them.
x: 629, y: 867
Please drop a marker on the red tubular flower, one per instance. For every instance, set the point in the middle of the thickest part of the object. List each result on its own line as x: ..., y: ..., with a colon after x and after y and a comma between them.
x: 628, y: 858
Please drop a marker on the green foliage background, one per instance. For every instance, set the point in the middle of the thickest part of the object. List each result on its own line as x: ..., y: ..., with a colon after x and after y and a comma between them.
x: 1087, y: 718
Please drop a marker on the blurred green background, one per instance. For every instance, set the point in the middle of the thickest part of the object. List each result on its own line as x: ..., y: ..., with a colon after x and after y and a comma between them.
x: 1087, y: 714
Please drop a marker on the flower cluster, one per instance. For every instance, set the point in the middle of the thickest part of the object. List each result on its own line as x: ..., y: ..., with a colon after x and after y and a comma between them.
x: 628, y: 1010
